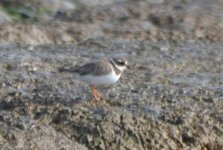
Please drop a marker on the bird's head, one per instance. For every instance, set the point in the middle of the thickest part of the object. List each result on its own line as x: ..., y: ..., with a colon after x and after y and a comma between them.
x: 120, y: 63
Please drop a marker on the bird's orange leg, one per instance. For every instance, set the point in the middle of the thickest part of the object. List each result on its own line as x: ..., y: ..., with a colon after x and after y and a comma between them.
x: 95, y: 93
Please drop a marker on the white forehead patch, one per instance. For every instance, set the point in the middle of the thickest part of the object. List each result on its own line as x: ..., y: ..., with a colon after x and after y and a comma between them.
x: 121, y: 68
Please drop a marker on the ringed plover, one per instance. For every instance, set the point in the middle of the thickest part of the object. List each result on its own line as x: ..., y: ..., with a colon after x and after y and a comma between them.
x: 102, y: 72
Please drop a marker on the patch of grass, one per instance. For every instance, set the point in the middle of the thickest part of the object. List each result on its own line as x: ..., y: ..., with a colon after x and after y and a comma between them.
x: 21, y: 13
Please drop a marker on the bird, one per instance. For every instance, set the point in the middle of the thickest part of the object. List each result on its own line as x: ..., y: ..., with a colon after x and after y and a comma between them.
x: 101, y: 72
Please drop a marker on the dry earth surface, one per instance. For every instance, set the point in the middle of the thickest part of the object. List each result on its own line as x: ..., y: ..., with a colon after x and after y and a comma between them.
x: 171, y: 97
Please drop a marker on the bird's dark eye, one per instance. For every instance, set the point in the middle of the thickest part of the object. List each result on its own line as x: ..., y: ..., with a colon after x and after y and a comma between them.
x: 121, y: 63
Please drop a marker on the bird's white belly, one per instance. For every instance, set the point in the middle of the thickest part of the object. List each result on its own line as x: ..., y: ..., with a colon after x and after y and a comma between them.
x: 100, y: 80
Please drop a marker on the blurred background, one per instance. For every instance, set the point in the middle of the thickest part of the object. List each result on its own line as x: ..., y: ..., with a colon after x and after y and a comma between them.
x: 71, y: 21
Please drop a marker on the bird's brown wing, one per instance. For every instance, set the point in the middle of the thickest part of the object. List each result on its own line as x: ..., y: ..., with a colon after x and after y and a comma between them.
x: 97, y: 68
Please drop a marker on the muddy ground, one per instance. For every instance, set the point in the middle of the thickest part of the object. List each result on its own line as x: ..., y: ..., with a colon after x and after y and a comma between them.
x: 171, y: 97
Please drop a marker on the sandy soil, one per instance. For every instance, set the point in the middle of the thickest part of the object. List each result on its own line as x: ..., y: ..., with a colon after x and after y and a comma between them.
x: 171, y: 97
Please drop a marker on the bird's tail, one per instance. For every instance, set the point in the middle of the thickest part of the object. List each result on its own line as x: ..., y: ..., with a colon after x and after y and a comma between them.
x: 64, y: 69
